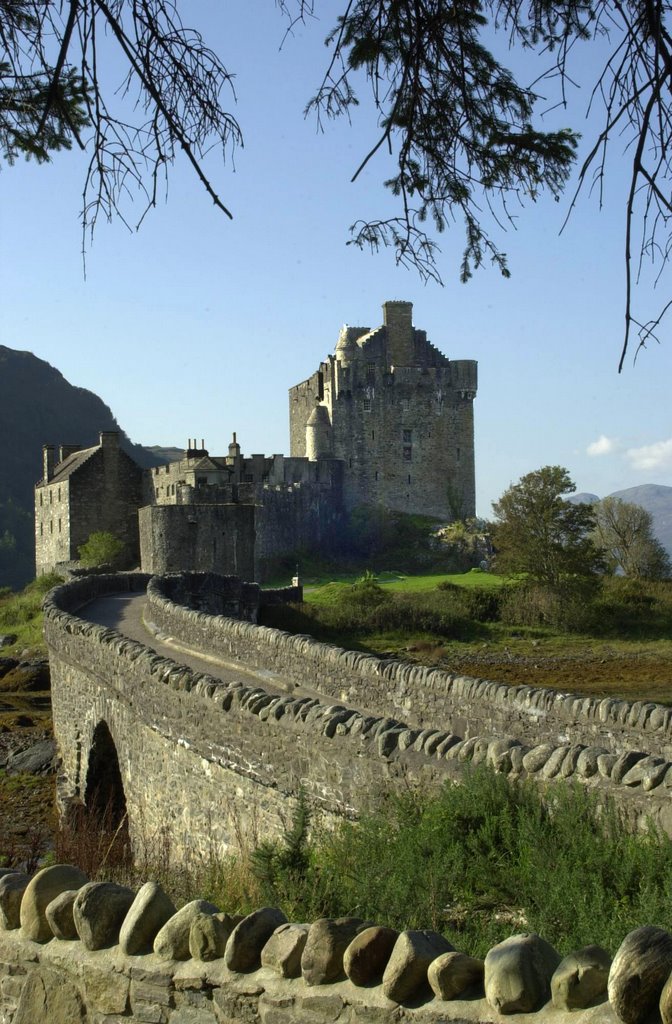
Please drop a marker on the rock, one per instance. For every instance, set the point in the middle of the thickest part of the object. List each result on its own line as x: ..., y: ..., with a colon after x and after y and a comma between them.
x: 639, y: 972
x: 452, y: 973
x: 581, y: 979
x: 60, y: 915
x: 147, y: 914
x: 41, y: 890
x: 172, y: 940
x: 536, y: 758
x: 665, y: 1004
x: 6, y: 640
x: 12, y: 887
x: 248, y: 938
x: 624, y: 762
x: 586, y: 765
x: 50, y: 998
x: 409, y: 961
x: 328, y: 939
x: 518, y: 973
x: 99, y: 911
x: 367, y: 955
x: 283, y: 951
x: 209, y: 934
x: 647, y: 773
x: 39, y: 759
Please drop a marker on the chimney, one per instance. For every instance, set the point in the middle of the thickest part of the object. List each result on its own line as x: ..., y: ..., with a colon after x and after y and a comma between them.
x: 398, y: 319
x: 234, y: 447
x: 47, y: 462
x: 109, y: 438
x: 68, y: 449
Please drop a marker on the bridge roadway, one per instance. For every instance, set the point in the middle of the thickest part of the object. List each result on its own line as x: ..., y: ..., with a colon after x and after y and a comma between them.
x: 126, y: 613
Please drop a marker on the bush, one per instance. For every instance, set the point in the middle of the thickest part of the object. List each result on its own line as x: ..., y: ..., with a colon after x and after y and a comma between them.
x: 102, y: 549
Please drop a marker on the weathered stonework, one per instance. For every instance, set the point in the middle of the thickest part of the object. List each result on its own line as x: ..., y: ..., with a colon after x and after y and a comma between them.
x: 398, y: 413
x: 207, y: 760
x: 387, y: 420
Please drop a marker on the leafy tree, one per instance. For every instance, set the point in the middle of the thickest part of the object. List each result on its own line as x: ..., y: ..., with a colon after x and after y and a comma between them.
x: 102, y: 548
x: 538, y: 533
x: 455, y: 121
x: 624, y: 532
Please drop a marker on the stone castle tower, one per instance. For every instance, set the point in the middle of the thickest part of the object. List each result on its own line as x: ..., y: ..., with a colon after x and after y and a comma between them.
x: 398, y: 413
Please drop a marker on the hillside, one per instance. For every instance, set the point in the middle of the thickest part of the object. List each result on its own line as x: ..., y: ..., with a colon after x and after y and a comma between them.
x: 39, y: 406
x: 655, y: 498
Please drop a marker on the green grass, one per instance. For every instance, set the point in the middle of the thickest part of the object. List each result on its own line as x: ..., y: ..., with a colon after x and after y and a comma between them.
x: 21, y: 614
x: 327, y: 593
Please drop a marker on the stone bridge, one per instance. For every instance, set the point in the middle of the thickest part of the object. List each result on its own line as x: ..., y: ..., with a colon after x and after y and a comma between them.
x: 204, y: 727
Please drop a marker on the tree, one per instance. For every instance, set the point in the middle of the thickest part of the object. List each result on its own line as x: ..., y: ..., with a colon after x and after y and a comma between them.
x: 102, y: 548
x: 454, y: 120
x: 538, y: 533
x: 624, y: 533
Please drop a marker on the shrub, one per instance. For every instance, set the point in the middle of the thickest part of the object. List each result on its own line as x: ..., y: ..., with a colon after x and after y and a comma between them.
x: 102, y: 548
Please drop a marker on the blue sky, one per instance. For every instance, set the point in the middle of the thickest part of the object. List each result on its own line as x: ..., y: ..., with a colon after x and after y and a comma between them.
x: 196, y: 326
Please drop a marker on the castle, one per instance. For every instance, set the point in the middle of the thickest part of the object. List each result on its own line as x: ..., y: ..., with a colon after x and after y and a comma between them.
x: 386, y: 420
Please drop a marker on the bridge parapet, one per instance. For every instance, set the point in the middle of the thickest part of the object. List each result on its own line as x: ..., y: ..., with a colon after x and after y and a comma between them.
x: 207, y: 761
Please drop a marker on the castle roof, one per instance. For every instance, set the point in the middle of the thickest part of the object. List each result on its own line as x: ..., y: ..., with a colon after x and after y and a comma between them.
x: 63, y: 470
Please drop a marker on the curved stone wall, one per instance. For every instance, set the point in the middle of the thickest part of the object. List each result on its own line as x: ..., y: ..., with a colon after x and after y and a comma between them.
x: 210, y: 760
x: 100, y: 953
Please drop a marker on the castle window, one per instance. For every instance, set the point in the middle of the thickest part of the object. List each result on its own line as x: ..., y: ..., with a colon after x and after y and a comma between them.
x: 41, y: 529
x: 59, y: 493
x: 51, y: 526
x: 407, y: 436
x: 407, y: 453
x: 367, y: 405
x: 409, y: 478
x: 157, y: 492
x: 51, y: 497
x: 249, y: 478
x: 376, y: 474
x: 370, y: 373
x: 59, y: 525
x: 373, y: 435
x: 41, y: 502
x: 404, y: 405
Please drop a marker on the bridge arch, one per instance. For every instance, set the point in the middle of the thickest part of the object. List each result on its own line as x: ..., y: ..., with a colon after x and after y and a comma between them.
x: 104, y: 795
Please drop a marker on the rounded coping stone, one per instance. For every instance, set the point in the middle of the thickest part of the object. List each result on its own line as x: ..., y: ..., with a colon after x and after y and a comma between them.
x: 518, y: 973
x: 409, y: 961
x: 147, y: 914
x: 13, y: 884
x: 99, y: 911
x: 209, y: 934
x: 248, y: 938
x: 638, y: 974
x: 45, y: 886
x: 451, y: 973
x: 60, y: 915
x: 172, y: 940
x: 367, y: 955
x: 328, y: 939
x: 581, y: 979
x: 283, y: 951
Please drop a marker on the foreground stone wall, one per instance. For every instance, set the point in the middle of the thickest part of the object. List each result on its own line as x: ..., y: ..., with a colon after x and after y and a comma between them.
x: 80, y: 952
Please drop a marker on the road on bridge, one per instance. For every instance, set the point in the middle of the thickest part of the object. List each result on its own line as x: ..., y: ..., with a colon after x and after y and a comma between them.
x: 126, y: 613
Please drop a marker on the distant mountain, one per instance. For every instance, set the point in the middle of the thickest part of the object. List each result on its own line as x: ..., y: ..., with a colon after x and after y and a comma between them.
x: 655, y: 498
x: 165, y: 454
x: 38, y: 406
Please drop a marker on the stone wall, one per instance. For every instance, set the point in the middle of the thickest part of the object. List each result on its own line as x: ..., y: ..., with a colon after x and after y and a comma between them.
x: 218, y: 538
x: 209, y: 761
x: 80, y: 952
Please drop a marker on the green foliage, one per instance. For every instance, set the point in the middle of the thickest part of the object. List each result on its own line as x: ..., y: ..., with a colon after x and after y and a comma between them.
x: 22, y: 613
x: 624, y: 533
x: 538, y: 533
x: 281, y: 867
x: 102, y: 548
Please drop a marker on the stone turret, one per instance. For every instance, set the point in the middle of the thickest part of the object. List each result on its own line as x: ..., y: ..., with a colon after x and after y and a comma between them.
x: 318, y: 434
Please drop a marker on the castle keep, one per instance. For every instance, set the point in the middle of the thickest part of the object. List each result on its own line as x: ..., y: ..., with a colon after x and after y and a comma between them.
x: 386, y: 420
x: 397, y: 413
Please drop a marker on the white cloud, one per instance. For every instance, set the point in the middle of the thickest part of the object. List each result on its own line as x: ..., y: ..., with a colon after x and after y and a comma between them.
x: 603, y: 446
x: 651, y: 456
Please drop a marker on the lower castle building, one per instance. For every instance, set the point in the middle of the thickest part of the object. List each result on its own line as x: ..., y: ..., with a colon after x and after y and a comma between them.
x: 386, y: 420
